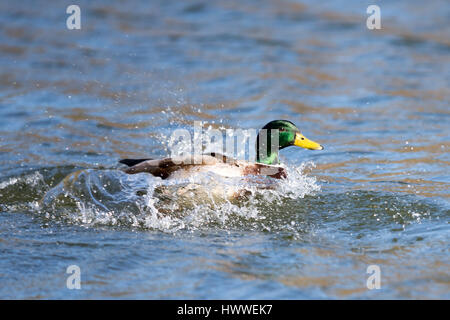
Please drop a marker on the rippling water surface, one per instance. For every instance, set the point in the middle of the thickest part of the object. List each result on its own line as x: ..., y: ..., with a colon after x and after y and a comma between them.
x: 74, y: 102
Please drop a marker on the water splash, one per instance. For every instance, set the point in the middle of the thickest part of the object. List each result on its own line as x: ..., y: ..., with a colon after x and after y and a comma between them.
x: 204, y: 200
x: 32, y: 179
x: 293, y: 208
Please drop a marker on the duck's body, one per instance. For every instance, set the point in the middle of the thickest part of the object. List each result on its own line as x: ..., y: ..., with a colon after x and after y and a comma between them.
x: 266, y: 164
x: 221, y: 165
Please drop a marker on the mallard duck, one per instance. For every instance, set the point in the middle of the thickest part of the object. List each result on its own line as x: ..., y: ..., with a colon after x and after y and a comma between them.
x: 267, y: 163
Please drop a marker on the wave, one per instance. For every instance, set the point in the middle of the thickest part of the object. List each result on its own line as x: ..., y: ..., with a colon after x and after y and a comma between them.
x: 294, y: 208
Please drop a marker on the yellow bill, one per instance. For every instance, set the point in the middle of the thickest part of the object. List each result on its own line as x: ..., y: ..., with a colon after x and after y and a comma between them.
x: 301, y: 141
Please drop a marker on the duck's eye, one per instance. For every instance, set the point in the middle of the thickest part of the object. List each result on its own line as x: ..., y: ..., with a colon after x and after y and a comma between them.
x: 281, y: 129
x: 302, y: 138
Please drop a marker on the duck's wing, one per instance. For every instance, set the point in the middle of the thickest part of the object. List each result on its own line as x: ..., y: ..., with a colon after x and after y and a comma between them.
x: 165, y: 167
x: 260, y: 169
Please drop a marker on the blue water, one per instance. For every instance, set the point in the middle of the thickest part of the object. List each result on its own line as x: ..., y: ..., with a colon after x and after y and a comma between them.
x: 73, y: 102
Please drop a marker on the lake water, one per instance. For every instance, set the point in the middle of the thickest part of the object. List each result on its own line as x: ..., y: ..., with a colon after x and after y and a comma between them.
x: 73, y: 102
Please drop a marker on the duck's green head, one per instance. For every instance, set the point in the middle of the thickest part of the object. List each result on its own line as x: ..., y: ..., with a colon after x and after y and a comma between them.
x: 288, y: 135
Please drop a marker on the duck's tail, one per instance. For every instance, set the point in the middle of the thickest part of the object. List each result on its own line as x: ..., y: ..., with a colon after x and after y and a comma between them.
x: 132, y: 162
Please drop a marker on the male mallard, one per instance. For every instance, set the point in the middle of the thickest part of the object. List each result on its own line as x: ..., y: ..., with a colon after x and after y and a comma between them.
x: 267, y: 163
